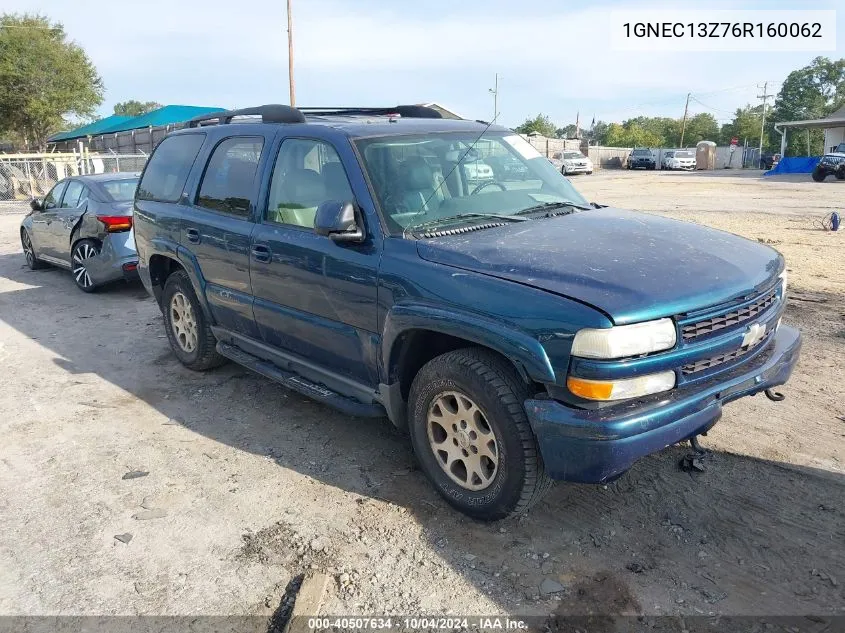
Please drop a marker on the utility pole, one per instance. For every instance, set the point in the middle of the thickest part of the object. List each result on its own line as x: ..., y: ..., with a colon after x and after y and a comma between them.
x: 684, y: 123
x: 763, y: 96
x: 495, y: 92
x: 290, y: 58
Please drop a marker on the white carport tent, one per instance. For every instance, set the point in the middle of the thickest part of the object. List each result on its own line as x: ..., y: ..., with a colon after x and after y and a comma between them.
x: 833, y: 126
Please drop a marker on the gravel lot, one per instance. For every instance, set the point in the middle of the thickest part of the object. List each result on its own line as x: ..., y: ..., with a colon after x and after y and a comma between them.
x: 250, y: 485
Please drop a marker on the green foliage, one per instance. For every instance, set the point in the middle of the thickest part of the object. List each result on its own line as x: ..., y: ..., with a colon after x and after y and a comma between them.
x: 630, y: 134
x: 567, y: 131
x: 811, y: 92
x: 700, y: 127
x: 135, y: 108
x: 541, y: 124
x: 43, y: 78
x: 745, y: 126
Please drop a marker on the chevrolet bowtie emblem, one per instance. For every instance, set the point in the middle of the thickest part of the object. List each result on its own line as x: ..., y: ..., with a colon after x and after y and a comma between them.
x: 754, y: 334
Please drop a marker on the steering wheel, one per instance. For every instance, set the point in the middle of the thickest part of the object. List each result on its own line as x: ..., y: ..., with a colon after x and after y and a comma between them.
x: 487, y: 183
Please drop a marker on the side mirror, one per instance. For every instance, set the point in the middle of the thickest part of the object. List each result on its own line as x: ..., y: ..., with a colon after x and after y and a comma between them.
x: 36, y: 204
x: 338, y: 221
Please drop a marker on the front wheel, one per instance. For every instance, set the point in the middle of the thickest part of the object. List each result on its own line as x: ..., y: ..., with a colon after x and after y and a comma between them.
x: 819, y: 175
x: 471, y: 436
x: 29, y: 252
x: 188, y: 331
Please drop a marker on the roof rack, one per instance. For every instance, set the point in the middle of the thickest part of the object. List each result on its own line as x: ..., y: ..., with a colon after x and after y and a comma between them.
x: 271, y: 113
x: 277, y: 113
x: 405, y: 111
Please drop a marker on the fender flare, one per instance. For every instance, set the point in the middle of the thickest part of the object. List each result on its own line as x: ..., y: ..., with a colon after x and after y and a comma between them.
x: 172, y: 250
x: 522, y: 349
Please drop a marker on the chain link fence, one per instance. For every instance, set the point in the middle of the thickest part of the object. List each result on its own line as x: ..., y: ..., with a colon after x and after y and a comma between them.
x: 27, y: 176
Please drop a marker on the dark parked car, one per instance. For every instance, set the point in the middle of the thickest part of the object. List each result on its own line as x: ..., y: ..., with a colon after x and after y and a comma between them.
x: 642, y: 159
x: 84, y: 224
x: 831, y: 164
x: 519, y: 333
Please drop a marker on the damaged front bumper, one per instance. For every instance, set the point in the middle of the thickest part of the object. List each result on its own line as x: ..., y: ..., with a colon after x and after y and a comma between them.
x: 598, y: 445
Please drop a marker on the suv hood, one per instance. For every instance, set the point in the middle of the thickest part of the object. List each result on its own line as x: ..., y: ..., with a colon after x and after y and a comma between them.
x: 631, y: 266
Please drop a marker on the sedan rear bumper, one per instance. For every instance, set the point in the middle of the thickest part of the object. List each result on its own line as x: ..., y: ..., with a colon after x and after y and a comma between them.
x: 117, y: 259
x: 596, y: 446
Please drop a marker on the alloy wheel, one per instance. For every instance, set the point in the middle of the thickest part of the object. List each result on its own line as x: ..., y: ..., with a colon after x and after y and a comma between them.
x: 28, y: 251
x: 82, y: 252
x: 183, y: 322
x: 462, y: 440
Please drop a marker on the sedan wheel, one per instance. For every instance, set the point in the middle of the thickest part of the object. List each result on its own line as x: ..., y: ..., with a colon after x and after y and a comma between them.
x: 83, y: 251
x: 29, y: 251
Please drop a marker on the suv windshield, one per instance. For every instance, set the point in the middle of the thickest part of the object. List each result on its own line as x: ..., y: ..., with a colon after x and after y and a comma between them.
x: 571, y: 155
x: 641, y: 152
x: 457, y: 176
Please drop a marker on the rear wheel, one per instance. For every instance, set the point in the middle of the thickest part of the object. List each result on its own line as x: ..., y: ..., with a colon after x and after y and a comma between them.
x: 83, y: 251
x: 29, y: 252
x: 188, y: 331
x: 471, y: 436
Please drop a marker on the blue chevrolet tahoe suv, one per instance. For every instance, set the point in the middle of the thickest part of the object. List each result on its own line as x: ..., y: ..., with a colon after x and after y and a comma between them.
x: 519, y: 333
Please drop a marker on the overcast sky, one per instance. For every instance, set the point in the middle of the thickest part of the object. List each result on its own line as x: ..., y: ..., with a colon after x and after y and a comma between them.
x: 553, y: 56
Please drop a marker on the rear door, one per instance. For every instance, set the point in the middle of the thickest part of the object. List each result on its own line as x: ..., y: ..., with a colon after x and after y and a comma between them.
x: 315, y: 298
x: 218, y: 228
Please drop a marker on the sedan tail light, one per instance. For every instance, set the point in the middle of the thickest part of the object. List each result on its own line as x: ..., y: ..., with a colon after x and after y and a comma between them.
x: 116, y: 223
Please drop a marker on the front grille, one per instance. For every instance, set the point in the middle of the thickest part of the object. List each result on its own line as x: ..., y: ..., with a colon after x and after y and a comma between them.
x: 729, y: 319
x: 709, y: 363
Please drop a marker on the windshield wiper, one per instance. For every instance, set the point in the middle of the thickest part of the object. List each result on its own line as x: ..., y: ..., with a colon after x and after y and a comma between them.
x: 462, y: 216
x: 551, y: 206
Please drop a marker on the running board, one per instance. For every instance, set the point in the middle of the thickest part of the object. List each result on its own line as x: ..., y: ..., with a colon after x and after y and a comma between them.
x: 301, y: 385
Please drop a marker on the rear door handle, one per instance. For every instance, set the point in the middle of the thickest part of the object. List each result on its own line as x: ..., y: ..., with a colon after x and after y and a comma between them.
x: 193, y: 236
x: 261, y: 253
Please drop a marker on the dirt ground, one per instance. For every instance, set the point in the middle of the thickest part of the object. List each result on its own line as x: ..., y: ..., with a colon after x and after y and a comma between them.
x: 250, y: 485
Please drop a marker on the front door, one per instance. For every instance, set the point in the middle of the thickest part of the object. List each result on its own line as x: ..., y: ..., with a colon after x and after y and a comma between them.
x: 42, y: 222
x: 314, y: 298
x: 67, y: 216
x: 218, y: 228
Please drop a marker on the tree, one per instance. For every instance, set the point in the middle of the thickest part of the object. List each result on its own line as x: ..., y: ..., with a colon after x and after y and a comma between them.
x: 43, y: 78
x: 700, y: 127
x: 541, y: 124
x: 567, y: 131
x: 598, y: 134
x: 811, y: 92
x: 135, y: 108
x: 631, y: 135
x: 745, y: 126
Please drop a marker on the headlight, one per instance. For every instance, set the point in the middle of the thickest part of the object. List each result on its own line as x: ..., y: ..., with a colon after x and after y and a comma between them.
x: 783, y: 277
x: 621, y: 389
x: 625, y: 340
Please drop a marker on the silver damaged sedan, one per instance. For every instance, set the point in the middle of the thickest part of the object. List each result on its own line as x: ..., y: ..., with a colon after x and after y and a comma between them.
x: 84, y: 225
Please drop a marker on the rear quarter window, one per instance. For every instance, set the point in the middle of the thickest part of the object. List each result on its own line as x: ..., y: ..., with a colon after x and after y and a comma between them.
x: 165, y: 176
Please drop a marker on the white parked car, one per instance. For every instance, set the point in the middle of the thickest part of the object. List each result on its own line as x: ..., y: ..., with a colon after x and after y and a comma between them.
x: 679, y: 159
x: 574, y: 162
x: 478, y: 171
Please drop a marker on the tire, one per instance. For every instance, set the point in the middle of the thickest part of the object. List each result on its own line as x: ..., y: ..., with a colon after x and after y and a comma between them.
x: 589, y: 173
x: 464, y: 381
x: 82, y: 250
x: 819, y: 175
x: 29, y: 252
x: 188, y: 330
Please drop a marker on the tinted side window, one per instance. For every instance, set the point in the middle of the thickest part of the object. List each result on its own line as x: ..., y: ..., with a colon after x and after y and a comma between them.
x: 73, y: 194
x: 227, y: 184
x: 307, y: 173
x: 51, y: 201
x: 168, y: 169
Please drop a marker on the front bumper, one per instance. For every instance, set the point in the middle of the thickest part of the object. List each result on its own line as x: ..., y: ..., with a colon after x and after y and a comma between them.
x: 598, y: 445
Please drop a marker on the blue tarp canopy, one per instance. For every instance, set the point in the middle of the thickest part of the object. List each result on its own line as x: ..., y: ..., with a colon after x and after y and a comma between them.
x: 97, y: 127
x: 166, y: 115
x: 794, y: 165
